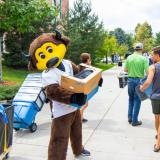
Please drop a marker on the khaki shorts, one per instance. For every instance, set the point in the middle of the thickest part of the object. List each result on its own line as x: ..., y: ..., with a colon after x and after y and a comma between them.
x: 155, y: 106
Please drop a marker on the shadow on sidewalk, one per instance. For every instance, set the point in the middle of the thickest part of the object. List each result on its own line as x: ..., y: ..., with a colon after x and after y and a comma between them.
x: 108, y: 125
x: 148, y: 123
x: 18, y: 158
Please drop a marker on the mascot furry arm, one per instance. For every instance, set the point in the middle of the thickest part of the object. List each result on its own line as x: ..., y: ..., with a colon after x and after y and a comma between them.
x: 47, y: 51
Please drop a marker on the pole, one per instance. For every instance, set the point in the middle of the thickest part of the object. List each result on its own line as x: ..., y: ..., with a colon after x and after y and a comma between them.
x: 1, y: 59
x: 60, y: 9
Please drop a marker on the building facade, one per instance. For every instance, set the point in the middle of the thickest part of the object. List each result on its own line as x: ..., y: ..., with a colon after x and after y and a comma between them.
x: 62, y: 4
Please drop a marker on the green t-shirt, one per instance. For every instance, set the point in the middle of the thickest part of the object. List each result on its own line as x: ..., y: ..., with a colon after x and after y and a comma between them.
x: 136, y: 64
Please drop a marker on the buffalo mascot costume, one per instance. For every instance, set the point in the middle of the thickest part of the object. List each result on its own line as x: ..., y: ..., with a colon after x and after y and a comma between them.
x: 46, y: 53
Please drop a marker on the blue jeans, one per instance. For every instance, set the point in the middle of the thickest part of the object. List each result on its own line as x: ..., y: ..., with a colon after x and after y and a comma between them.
x: 134, y: 101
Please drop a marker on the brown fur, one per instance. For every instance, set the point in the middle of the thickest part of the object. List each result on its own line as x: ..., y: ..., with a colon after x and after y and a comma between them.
x: 81, y: 68
x: 57, y: 93
x: 75, y: 68
x: 46, y: 37
x: 69, y: 125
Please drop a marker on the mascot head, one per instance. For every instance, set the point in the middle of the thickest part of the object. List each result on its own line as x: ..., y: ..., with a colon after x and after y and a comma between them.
x: 47, y: 51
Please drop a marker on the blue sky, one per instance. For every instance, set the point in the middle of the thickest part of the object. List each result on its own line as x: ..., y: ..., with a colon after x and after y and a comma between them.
x: 127, y: 13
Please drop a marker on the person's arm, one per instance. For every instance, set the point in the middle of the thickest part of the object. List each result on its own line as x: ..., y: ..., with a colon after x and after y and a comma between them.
x: 149, y: 80
x: 75, y: 68
x: 125, y: 67
x: 57, y: 93
x: 146, y: 66
x: 53, y: 90
x: 147, y: 71
x: 125, y: 70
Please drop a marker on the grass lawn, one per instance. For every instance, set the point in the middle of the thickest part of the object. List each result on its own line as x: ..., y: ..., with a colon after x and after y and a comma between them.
x: 10, y: 74
x: 13, y: 79
x: 104, y: 66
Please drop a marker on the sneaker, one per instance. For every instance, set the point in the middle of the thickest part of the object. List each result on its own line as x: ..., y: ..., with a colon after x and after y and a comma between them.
x: 84, y: 120
x: 129, y: 121
x: 137, y: 123
x: 85, y: 153
x: 156, y: 149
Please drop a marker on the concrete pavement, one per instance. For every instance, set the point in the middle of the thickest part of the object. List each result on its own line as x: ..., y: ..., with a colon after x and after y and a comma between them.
x: 107, y: 134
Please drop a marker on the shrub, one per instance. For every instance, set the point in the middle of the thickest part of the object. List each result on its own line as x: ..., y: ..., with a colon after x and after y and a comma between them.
x: 8, y: 92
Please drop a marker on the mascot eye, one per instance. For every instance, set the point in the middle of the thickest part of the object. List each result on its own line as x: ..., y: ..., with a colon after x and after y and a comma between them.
x: 42, y: 55
x: 49, y: 49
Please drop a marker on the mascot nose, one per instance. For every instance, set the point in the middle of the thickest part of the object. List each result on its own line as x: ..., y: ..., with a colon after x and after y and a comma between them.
x: 52, y: 62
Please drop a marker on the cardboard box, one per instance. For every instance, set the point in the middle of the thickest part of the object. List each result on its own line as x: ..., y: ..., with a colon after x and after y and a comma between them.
x: 79, y: 85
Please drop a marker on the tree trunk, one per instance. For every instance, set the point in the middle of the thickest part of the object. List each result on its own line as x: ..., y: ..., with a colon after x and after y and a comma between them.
x: 1, y: 39
x: 106, y: 58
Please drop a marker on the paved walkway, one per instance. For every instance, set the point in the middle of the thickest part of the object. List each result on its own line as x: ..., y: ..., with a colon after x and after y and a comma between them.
x: 107, y: 134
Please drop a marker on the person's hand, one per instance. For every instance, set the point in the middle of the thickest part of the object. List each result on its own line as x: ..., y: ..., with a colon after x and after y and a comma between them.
x: 100, y: 82
x: 78, y: 98
x: 141, y: 88
x: 47, y: 100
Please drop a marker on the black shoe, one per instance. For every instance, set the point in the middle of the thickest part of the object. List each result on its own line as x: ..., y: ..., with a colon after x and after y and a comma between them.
x: 129, y: 121
x: 85, y: 153
x: 156, y: 149
x: 84, y: 120
x: 137, y: 123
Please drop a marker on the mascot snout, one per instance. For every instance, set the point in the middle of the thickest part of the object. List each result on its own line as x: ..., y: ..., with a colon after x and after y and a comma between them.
x: 52, y: 62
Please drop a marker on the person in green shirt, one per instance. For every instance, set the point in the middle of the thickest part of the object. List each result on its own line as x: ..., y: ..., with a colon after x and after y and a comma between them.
x: 137, y: 66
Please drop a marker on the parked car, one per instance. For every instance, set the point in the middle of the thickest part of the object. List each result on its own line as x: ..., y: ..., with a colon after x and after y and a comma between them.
x: 104, y: 60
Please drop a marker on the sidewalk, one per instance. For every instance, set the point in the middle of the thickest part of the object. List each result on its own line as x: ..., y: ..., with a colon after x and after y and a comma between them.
x: 107, y: 134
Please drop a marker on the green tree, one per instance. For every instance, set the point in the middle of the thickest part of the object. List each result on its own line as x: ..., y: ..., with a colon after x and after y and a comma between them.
x: 144, y: 35
x: 157, y: 39
x: 137, y: 27
x: 109, y: 46
x: 123, y: 38
x: 25, y: 15
x: 85, y: 31
x: 119, y: 34
x: 122, y: 49
x: 23, y: 20
x: 129, y: 42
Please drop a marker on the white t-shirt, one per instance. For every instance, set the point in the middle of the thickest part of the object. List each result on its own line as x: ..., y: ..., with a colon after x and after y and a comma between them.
x: 53, y: 76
